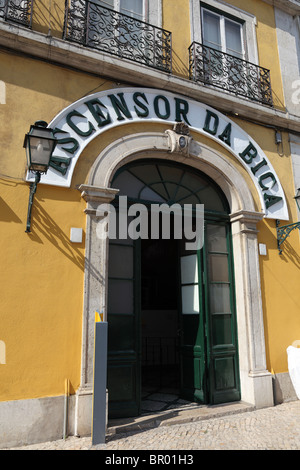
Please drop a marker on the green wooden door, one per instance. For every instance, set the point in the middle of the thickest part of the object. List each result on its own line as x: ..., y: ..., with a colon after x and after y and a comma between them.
x: 209, y: 355
x: 192, y: 328
x: 208, y: 350
x: 124, y: 352
x: 222, y: 349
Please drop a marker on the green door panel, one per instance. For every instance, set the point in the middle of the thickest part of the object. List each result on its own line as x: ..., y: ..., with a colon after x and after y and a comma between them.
x: 225, y: 379
x: 124, y: 357
x: 193, y: 378
x: 209, y: 353
x: 220, y: 304
x: 123, y: 387
x: 121, y: 336
x: 193, y: 353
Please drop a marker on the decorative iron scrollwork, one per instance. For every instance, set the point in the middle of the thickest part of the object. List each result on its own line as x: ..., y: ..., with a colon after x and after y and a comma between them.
x: 17, y: 11
x: 232, y: 74
x: 98, y: 27
x: 283, y: 232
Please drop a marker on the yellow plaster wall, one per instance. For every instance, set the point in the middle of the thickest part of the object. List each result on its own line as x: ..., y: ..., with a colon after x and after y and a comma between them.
x: 176, y: 18
x: 280, y: 280
x: 35, y: 90
x: 48, y: 17
x: 42, y: 273
x: 42, y: 291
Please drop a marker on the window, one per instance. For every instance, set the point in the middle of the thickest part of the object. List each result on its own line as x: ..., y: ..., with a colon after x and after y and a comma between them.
x: 222, y: 50
x: 163, y: 182
x: 134, y: 8
x: 222, y: 33
x: 236, y: 19
x: 108, y: 27
x: 130, y: 29
x: 223, y: 53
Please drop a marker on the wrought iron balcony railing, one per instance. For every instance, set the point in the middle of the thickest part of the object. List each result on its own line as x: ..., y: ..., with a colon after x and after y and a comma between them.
x: 98, y: 27
x: 104, y: 29
x: 230, y: 73
x: 17, y: 11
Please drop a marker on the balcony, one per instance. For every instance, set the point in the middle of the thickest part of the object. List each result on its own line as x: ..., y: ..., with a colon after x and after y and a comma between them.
x: 89, y: 24
x: 232, y: 74
x: 95, y: 27
x: 17, y: 11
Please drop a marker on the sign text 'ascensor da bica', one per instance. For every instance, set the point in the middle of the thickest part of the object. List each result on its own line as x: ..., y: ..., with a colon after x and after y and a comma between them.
x: 90, y: 116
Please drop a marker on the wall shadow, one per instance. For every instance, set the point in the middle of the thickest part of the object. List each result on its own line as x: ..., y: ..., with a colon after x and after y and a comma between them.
x: 44, y: 227
x: 7, y: 214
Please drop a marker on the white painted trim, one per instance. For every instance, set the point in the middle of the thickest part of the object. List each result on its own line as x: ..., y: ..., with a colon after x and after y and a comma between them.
x: 155, y: 12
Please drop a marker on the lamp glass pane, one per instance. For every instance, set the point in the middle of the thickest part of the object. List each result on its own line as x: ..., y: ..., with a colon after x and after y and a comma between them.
x: 40, y: 152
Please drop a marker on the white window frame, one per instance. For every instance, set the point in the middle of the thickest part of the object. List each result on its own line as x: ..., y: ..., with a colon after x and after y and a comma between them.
x: 117, y: 7
x: 250, y: 22
x: 222, y: 20
x: 152, y: 11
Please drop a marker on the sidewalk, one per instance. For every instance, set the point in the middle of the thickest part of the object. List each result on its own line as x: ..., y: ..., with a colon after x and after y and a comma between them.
x: 230, y: 427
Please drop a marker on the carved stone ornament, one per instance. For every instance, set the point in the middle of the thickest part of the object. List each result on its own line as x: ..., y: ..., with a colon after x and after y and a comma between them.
x: 179, y: 138
x: 181, y: 128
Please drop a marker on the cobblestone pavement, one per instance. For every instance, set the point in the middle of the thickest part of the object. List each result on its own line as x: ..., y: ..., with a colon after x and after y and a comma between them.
x: 275, y: 428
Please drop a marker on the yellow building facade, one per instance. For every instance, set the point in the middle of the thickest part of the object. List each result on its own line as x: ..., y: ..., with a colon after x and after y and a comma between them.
x: 190, y: 88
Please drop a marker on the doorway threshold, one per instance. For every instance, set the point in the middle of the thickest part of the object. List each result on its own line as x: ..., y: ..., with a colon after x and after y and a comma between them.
x: 167, y: 409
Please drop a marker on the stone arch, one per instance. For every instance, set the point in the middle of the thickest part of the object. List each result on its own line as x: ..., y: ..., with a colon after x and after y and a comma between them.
x: 200, y: 156
x: 256, y: 381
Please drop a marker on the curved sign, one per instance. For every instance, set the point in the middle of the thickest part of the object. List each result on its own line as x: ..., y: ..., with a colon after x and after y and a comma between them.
x: 88, y: 117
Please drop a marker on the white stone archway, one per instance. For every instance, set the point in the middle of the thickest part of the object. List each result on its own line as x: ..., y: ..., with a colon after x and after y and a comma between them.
x: 256, y: 381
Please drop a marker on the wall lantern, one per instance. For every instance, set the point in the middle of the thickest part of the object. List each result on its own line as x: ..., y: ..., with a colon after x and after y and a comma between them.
x: 284, y: 231
x: 39, y: 144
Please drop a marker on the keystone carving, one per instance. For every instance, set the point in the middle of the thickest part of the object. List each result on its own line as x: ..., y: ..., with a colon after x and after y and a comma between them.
x: 179, y: 138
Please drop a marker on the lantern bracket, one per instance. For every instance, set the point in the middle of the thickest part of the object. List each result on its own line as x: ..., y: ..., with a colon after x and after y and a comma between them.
x: 39, y: 143
x: 33, y: 187
x: 283, y: 232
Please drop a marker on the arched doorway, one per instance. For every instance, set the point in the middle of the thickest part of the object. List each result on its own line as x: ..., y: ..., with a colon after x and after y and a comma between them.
x: 255, y: 379
x: 171, y: 310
